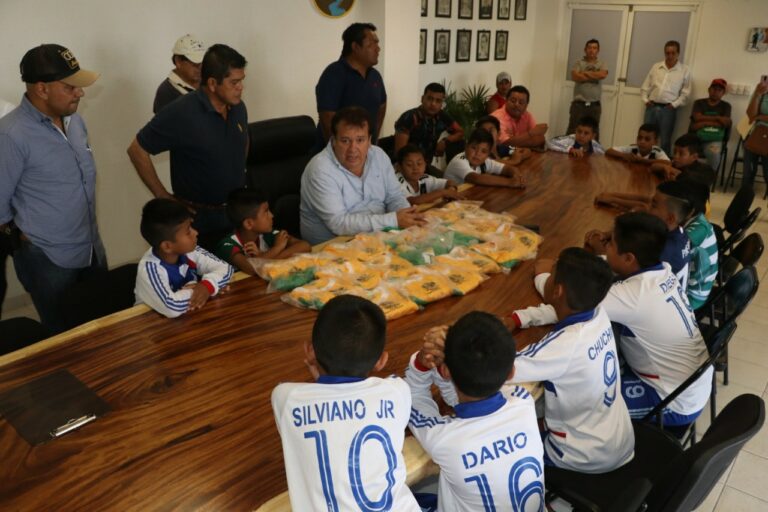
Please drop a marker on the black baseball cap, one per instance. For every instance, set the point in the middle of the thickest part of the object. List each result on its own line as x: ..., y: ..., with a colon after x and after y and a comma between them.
x: 53, y: 62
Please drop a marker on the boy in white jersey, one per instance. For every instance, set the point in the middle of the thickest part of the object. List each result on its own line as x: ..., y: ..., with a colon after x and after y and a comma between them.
x: 343, y: 435
x: 476, y: 166
x: 175, y: 275
x: 418, y: 186
x: 659, y: 337
x: 645, y: 151
x: 490, y: 452
x: 588, y: 428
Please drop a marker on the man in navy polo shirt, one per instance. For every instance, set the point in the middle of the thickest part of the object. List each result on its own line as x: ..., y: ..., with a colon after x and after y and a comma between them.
x: 206, y: 132
x: 352, y: 81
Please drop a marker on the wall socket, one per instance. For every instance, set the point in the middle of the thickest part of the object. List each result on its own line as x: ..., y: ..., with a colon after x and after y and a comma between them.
x: 740, y: 89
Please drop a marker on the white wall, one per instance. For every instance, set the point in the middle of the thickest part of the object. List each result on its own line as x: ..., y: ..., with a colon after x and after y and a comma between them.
x: 288, y: 44
x: 521, y: 57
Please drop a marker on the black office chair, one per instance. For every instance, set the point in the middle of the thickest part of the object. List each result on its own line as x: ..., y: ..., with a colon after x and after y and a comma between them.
x: 720, y: 169
x: 388, y: 145
x: 736, y: 217
x: 100, y: 295
x: 681, y: 479
x: 725, y: 304
x: 747, y: 253
x: 279, y: 151
x: 734, y: 172
x: 716, y: 341
x: 19, y: 332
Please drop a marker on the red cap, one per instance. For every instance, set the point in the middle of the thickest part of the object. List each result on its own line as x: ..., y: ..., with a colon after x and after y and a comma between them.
x: 719, y: 82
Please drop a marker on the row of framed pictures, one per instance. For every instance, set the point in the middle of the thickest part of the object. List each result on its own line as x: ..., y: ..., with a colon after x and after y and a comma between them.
x: 467, y: 8
x: 442, y: 48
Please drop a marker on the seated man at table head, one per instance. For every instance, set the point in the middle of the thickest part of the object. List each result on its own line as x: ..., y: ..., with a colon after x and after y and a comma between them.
x: 476, y: 166
x: 325, y: 426
x: 518, y: 127
x: 580, y: 143
x: 350, y: 186
x: 428, y: 126
x: 658, y: 333
x: 175, y: 275
x: 587, y: 424
x: 646, y: 149
x: 511, y: 155
x: 253, y: 237
x: 493, y: 442
x: 418, y: 186
x: 685, y: 162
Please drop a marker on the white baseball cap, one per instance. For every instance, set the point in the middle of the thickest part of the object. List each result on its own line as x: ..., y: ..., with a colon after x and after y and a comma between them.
x: 503, y: 76
x: 191, y: 47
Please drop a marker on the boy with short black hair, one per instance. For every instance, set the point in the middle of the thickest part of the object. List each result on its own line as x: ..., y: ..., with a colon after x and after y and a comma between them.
x: 645, y: 150
x: 685, y: 163
x: 326, y: 426
x: 491, y: 449
x: 672, y: 205
x: 579, y: 144
x: 253, y: 237
x: 588, y: 428
x: 475, y: 165
x: 659, y: 337
x: 175, y: 275
x: 512, y: 156
x: 418, y: 186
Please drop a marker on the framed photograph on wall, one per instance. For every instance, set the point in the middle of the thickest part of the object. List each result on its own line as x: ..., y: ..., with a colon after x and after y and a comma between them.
x: 442, y: 46
x: 465, y: 9
x: 423, y: 46
x: 521, y: 9
x: 463, y: 45
x: 500, y: 51
x: 423, y: 8
x: 442, y: 8
x: 486, y: 10
x: 503, y: 11
x: 483, y: 45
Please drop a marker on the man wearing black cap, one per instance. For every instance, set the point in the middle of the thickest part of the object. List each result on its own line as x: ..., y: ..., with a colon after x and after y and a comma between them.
x: 47, y: 181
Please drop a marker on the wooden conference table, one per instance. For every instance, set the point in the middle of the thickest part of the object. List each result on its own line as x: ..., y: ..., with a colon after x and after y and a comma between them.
x: 191, y: 425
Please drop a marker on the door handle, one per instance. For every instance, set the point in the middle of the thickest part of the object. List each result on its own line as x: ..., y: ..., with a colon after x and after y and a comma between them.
x: 623, y: 79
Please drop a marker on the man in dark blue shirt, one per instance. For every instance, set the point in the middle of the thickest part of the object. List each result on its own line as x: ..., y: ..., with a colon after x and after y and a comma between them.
x: 425, y: 124
x: 352, y: 81
x: 206, y: 133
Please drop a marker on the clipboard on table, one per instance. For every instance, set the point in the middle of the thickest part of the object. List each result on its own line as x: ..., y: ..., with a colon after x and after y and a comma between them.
x: 51, y: 406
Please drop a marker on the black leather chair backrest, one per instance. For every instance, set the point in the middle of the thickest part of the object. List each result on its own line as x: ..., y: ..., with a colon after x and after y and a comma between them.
x: 279, y: 151
x: 738, y: 210
x: 688, y: 479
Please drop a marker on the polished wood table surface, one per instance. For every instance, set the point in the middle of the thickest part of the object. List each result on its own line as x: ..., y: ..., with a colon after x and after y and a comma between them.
x: 191, y: 425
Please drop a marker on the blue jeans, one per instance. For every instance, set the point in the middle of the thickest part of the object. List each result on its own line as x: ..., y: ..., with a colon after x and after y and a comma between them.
x: 751, y: 161
x: 664, y: 118
x: 48, y: 283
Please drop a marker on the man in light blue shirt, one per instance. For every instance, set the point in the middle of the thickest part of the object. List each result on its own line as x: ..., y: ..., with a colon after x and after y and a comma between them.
x: 350, y: 186
x: 47, y: 182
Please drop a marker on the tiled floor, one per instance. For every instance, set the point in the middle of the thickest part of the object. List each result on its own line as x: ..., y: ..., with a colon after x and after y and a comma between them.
x: 744, y: 487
